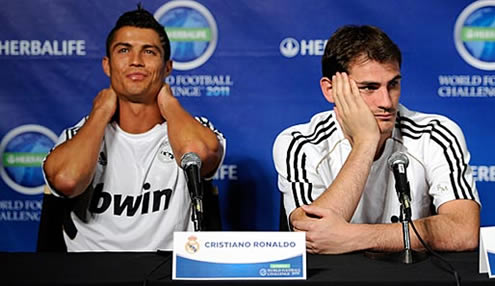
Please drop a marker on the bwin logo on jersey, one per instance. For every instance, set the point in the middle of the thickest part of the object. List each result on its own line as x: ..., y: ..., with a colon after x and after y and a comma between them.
x: 474, y: 34
x: 23, y: 150
x: 192, y: 31
x: 127, y: 205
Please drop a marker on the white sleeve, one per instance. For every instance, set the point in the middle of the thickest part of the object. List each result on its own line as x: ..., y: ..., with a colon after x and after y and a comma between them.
x: 448, y: 172
x: 66, y: 135
x: 298, y: 180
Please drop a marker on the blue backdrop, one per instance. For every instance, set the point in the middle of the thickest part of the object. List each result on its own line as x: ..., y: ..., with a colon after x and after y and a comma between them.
x: 251, y: 66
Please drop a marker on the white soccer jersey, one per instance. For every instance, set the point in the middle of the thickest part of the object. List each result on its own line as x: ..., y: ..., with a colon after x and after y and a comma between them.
x: 140, y: 193
x: 309, y: 156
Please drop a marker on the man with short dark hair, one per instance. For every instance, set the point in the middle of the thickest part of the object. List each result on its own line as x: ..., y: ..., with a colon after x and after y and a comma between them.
x: 333, y: 171
x: 125, y: 155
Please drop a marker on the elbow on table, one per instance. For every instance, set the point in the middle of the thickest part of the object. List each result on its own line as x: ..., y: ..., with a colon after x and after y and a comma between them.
x: 469, y: 240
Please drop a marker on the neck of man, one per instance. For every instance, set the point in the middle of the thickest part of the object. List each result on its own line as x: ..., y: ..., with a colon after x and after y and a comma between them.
x: 138, y: 118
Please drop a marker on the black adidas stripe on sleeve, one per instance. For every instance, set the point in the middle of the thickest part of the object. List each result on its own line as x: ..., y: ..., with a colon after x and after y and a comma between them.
x: 452, y: 151
x: 296, y: 160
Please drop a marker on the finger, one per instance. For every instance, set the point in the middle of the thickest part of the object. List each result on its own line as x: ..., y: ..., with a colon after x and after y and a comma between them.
x: 312, y: 247
x: 314, y: 210
x: 359, y: 99
x: 168, y: 90
x: 336, y: 97
x: 302, y: 225
x: 111, y: 92
x: 337, y: 114
x: 340, y: 93
x: 354, y: 88
x: 310, y: 238
x: 347, y: 97
x: 341, y: 123
x: 346, y: 86
x: 103, y: 95
x: 295, y: 228
x: 163, y: 89
x: 308, y: 215
x: 357, y: 94
x: 309, y: 248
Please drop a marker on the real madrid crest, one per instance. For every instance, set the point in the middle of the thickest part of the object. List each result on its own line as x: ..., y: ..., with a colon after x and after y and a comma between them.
x: 165, y: 153
x: 192, y: 246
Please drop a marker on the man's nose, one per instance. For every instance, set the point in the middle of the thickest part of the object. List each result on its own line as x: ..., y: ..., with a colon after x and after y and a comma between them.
x: 137, y: 59
x: 383, y: 98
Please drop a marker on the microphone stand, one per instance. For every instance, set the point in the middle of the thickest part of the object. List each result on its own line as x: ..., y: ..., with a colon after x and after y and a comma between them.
x: 407, y: 255
x: 398, y: 163
x: 405, y: 216
x: 197, y: 213
x: 191, y: 164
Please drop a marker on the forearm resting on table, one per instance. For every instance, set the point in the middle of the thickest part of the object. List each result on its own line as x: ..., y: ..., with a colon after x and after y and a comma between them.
x: 343, y: 195
x: 455, y: 229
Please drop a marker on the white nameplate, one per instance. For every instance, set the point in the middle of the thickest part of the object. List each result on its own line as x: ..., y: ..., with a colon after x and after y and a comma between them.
x: 487, y: 251
x: 239, y: 255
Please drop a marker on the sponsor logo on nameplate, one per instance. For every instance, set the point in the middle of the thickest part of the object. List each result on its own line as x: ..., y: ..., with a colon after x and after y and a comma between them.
x: 487, y: 251
x: 239, y: 255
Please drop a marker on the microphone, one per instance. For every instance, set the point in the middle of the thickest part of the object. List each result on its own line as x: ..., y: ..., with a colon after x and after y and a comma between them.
x: 191, y: 164
x: 398, y: 163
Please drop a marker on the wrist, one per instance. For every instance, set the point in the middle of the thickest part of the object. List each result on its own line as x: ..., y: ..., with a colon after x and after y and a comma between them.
x: 167, y: 104
x: 364, y: 236
x: 370, y: 140
x: 101, y: 115
x: 365, y: 147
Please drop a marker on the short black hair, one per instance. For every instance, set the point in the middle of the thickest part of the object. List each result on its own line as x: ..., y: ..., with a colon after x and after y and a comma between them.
x: 140, y: 18
x: 351, y: 42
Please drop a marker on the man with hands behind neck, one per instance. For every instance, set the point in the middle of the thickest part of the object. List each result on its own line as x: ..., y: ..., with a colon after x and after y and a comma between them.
x: 333, y: 171
x: 127, y: 152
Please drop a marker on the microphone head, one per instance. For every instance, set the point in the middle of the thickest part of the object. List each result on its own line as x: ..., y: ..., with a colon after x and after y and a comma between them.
x: 190, y: 158
x: 398, y: 158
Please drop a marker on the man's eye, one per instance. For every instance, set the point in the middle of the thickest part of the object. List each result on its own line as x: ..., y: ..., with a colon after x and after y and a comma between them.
x: 393, y: 84
x: 367, y: 88
x: 149, y: 52
x: 123, y: 50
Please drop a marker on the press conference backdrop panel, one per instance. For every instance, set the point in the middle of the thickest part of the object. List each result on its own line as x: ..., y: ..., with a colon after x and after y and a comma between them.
x: 251, y: 66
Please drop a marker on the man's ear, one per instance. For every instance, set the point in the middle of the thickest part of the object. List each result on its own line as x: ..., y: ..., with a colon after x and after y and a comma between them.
x: 326, y: 89
x: 105, y: 63
x: 167, y: 68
